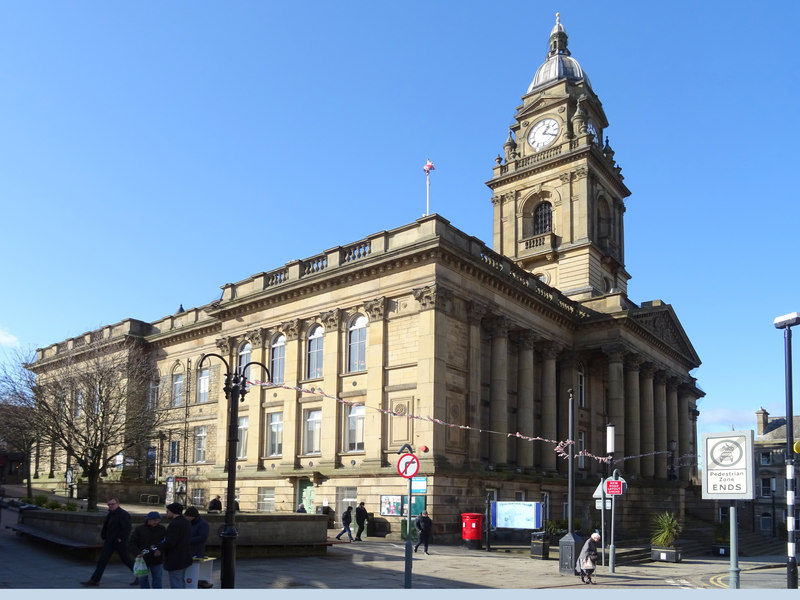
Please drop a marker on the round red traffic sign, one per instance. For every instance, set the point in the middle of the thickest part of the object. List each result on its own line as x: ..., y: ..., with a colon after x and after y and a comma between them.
x: 408, y: 466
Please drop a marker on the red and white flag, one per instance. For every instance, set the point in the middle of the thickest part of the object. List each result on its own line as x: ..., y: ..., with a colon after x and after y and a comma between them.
x: 428, y: 167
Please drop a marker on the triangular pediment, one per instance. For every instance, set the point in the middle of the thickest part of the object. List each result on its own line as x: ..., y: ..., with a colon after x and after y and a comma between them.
x: 660, y: 320
x: 540, y: 105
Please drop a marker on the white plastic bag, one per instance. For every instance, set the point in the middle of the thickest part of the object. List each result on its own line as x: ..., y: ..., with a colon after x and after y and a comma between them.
x: 140, y: 567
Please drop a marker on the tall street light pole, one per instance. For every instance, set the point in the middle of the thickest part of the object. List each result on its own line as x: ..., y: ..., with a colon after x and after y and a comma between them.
x: 786, y: 322
x: 235, y: 389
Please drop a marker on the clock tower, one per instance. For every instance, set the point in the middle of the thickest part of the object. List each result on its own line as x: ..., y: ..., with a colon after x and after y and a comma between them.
x: 558, y: 194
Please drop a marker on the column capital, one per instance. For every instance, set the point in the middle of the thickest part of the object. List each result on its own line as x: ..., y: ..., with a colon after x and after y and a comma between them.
x: 432, y: 296
x: 633, y: 362
x: 291, y: 329
x: 660, y: 377
x: 550, y: 349
x: 648, y: 369
x: 499, y: 326
x: 375, y: 308
x: 615, y: 352
x: 331, y: 319
x: 256, y: 337
x: 476, y: 311
x: 525, y: 338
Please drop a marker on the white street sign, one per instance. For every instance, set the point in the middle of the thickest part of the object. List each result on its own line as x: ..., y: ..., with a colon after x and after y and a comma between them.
x: 598, y: 504
x: 728, y: 472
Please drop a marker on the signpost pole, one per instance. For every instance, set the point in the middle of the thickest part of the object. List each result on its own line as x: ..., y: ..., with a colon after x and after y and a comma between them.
x: 603, y: 522
x: 611, y: 548
x: 734, y: 570
x: 407, y: 578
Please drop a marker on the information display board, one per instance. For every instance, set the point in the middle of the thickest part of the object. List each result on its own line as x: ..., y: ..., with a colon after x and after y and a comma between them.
x: 516, y: 515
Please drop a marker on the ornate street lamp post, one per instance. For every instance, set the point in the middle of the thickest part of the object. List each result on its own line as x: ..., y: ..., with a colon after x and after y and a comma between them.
x: 235, y: 390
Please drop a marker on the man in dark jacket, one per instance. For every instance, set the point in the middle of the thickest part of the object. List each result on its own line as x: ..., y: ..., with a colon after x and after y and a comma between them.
x: 347, y: 518
x: 115, y: 533
x: 200, y: 531
x: 145, y: 537
x: 177, y: 546
x: 424, y: 526
x: 215, y: 505
x: 361, y: 519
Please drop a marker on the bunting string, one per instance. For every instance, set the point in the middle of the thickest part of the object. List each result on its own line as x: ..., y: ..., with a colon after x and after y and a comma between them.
x: 561, y: 448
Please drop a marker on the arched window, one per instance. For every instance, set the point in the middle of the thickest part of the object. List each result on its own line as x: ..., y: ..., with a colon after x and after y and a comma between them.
x: 357, y: 344
x: 244, y: 358
x: 603, y: 222
x: 314, y: 353
x: 581, y: 387
x: 277, y: 358
x: 543, y: 218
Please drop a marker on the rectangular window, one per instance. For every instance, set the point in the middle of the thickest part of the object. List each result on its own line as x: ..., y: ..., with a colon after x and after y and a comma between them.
x: 581, y: 390
x: 200, y: 444
x: 274, y: 434
x: 581, y: 448
x: 78, y: 403
x: 199, y: 497
x: 312, y: 431
x: 266, y: 499
x: 519, y: 496
x: 766, y: 458
x: 354, y: 438
x: 766, y: 487
x: 202, y: 385
x: 174, y: 452
x: 152, y: 398
x: 765, y: 522
x: 177, y: 389
x: 241, y: 444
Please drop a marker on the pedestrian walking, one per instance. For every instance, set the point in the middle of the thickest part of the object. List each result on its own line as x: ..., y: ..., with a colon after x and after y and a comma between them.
x: 347, y: 518
x: 115, y: 533
x: 144, y: 541
x: 200, y: 532
x: 424, y: 526
x: 361, y: 519
x: 587, y: 559
x: 215, y: 505
x: 177, y: 546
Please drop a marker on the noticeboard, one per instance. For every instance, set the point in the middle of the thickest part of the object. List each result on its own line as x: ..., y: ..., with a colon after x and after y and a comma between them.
x: 728, y: 472
x: 516, y: 515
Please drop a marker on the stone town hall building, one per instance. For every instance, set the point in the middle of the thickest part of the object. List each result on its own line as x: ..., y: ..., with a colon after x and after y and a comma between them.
x: 426, y: 320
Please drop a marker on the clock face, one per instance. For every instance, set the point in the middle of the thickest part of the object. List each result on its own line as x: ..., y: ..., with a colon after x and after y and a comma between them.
x: 593, y: 132
x: 543, y: 134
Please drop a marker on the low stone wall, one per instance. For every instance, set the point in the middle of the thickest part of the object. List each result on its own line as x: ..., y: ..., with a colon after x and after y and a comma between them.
x: 259, y: 534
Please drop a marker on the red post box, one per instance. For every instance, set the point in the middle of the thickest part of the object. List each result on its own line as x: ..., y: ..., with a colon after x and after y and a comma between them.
x: 472, y: 529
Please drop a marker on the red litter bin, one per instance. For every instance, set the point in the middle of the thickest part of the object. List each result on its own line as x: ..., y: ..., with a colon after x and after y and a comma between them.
x: 472, y: 530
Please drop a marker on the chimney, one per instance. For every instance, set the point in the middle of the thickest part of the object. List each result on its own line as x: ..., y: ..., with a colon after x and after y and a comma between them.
x: 762, y: 418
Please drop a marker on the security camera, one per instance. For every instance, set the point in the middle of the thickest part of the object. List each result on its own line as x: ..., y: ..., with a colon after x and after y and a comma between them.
x: 789, y: 320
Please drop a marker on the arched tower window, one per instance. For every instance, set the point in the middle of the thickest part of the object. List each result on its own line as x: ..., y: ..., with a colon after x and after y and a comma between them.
x: 543, y: 218
x: 603, y: 222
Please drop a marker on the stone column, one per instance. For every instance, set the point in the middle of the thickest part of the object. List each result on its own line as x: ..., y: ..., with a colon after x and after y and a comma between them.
x: 633, y: 440
x: 525, y: 418
x: 476, y: 313
x: 660, y: 405
x: 292, y: 412
x: 616, y: 399
x: 331, y: 439
x: 549, y: 416
x: 684, y: 433
x: 498, y: 400
x: 672, y: 421
x: 375, y: 420
x: 647, y: 420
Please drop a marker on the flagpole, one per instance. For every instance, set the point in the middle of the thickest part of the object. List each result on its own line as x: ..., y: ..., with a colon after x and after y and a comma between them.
x: 428, y: 168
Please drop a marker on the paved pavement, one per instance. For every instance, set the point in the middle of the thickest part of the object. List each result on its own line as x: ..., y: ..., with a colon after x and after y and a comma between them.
x: 378, y: 564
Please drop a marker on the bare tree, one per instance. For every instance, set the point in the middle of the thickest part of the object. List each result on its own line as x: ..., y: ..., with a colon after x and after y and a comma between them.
x: 19, y: 428
x: 93, y: 403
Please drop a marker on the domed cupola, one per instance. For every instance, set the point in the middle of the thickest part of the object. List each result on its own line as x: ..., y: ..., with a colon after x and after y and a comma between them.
x: 559, y: 64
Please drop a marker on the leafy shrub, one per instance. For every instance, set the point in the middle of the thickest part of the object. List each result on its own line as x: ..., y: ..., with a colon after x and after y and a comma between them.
x: 54, y: 505
x: 40, y: 500
x: 71, y: 506
x: 664, y: 529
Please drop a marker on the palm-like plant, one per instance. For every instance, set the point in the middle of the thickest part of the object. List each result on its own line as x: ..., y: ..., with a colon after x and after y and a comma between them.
x: 664, y: 529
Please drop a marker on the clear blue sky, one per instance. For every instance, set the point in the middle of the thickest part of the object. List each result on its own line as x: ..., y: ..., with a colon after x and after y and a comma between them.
x: 151, y: 152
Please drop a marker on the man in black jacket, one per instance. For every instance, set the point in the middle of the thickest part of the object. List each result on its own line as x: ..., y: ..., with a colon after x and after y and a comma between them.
x: 347, y: 518
x: 115, y: 533
x: 424, y: 526
x: 177, y: 546
x: 200, y: 532
x: 145, y: 537
x: 361, y: 519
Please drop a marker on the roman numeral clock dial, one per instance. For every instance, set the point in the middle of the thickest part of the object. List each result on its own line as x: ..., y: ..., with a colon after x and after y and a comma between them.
x: 543, y: 133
